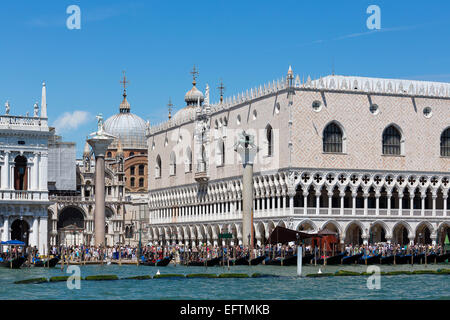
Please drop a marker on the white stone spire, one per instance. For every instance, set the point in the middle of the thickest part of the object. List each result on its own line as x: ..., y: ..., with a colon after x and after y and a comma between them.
x: 44, y: 102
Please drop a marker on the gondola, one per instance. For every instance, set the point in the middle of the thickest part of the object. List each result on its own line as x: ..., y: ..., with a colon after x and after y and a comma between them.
x: 159, y: 263
x: 208, y: 263
x: 402, y: 259
x: 306, y: 259
x: 387, y: 259
x: 331, y: 260
x: 257, y: 260
x: 419, y: 258
x: 242, y: 261
x: 431, y: 257
x: 290, y: 260
x: 15, y: 263
x: 442, y: 257
x: 351, y: 259
x: 213, y: 262
x: 47, y: 263
x: 369, y: 259
x: 273, y: 262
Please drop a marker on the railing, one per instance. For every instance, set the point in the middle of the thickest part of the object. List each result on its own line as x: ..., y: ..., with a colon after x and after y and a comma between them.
x: 23, y: 122
x: 297, y: 211
x: 23, y: 195
x: 71, y: 198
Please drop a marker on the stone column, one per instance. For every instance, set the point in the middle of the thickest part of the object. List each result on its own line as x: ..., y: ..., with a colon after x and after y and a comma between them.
x: 342, y: 195
x: 389, y: 203
x: 318, y: 202
x: 5, y: 172
x: 247, y: 150
x: 444, y: 198
x: 400, y: 203
x: 366, y: 203
x: 434, y: 196
x: 5, y: 234
x: 305, y: 202
x: 99, y: 142
x: 330, y: 200
x: 43, y: 171
x: 354, y: 195
x: 35, y: 235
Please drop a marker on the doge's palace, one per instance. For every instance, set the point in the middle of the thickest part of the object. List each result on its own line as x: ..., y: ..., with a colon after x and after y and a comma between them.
x: 367, y: 158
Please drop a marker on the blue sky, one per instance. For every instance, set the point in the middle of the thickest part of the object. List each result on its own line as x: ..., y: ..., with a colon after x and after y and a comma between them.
x: 245, y: 43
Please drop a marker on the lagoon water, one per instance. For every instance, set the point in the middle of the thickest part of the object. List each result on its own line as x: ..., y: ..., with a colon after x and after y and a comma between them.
x: 287, y: 286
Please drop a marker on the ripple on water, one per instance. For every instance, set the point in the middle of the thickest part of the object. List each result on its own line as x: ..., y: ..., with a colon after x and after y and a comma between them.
x: 288, y: 286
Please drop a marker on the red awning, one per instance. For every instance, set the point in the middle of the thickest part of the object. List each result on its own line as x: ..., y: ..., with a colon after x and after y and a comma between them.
x: 284, y: 235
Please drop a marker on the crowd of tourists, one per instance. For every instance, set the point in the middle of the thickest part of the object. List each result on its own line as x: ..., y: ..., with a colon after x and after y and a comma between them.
x: 182, y: 254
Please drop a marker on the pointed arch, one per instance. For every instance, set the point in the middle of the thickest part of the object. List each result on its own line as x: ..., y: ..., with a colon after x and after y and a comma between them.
x: 269, y: 140
x: 173, y: 164
x: 158, y: 167
x: 333, y: 138
x: 392, y: 140
x: 188, y: 161
x: 445, y: 143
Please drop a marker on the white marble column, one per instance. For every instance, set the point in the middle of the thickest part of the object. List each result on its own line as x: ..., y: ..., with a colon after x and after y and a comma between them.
x: 35, y: 235
x: 5, y: 234
x: 43, y: 172
x: 5, y: 172
x: 354, y: 195
x: 342, y: 195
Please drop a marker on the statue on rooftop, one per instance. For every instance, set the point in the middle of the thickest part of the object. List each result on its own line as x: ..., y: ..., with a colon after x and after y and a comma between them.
x: 7, y: 108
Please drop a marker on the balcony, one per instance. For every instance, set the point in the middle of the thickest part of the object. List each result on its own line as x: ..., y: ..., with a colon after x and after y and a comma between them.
x: 201, y: 175
x: 23, y: 195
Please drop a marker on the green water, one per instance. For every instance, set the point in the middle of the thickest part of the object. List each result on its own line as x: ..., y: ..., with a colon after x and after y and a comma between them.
x: 287, y: 286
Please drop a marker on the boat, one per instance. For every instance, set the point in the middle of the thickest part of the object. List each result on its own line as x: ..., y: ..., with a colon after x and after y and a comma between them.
x: 443, y: 257
x: 402, y: 259
x: 351, y: 259
x: 290, y: 260
x: 15, y: 263
x: 208, y: 263
x: 369, y: 259
x: 158, y: 263
x: 306, y: 259
x: 50, y: 263
x: 387, y: 259
x: 331, y: 260
x: 431, y: 257
x: 242, y: 261
x: 419, y: 258
x: 273, y: 262
x: 213, y: 262
x: 257, y: 260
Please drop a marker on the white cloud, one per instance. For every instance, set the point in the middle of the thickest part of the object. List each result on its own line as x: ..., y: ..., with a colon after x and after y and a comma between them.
x: 71, y: 120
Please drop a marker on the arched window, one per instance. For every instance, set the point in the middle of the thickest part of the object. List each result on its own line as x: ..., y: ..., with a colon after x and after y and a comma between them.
x: 188, y: 163
x: 141, y: 169
x: 269, y: 139
x: 332, y: 138
x: 173, y: 164
x: 220, y: 155
x: 445, y: 143
x: 132, y: 182
x: 20, y: 173
x: 109, y: 154
x: 132, y: 170
x: 141, y: 182
x: 158, y: 167
x: 131, y: 154
x: 392, y: 140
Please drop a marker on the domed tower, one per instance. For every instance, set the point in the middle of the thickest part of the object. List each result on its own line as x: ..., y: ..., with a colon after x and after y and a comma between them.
x: 129, y: 130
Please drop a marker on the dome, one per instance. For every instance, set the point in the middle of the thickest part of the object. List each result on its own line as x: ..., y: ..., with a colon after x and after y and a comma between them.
x: 127, y: 127
x: 193, y: 95
x: 184, y: 114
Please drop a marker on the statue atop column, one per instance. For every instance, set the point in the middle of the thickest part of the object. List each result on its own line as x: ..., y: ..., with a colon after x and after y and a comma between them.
x: 7, y: 108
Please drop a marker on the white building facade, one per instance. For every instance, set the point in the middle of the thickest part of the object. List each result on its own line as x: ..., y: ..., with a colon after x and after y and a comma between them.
x: 23, y: 176
x: 367, y: 158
